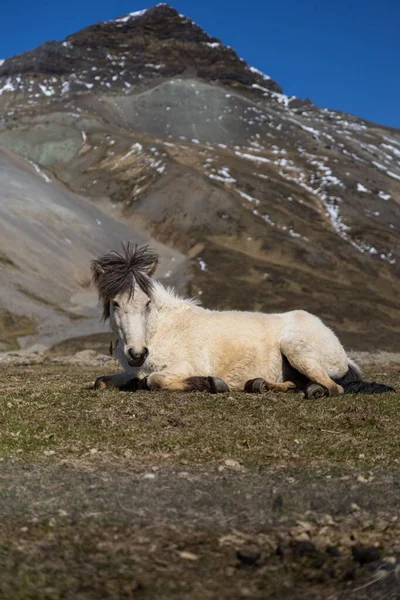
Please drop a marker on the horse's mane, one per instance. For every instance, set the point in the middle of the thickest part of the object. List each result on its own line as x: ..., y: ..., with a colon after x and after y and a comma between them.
x: 166, y: 297
x: 117, y: 273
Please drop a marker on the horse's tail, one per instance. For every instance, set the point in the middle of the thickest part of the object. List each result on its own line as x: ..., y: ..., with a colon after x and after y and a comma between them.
x: 353, y: 383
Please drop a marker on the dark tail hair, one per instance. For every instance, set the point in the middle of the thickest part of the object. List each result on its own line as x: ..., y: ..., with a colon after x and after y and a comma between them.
x: 352, y: 383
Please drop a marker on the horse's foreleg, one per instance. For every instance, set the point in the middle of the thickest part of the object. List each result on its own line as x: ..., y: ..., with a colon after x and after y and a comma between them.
x: 118, y: 380
x: 260, y: 386
x: 181, y: 379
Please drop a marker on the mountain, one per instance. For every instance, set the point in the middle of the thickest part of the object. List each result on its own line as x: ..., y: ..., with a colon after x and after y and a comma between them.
x: 276, y: 203
x: 48, y: 237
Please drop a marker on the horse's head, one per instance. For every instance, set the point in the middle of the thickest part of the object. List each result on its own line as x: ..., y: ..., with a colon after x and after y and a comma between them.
x: 126, y: 289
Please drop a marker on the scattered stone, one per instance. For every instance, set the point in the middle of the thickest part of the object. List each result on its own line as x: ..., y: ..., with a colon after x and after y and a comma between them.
x: 248, y: 556
x: 303, y: 548
x: 362, y: 479
x: 188, y: 556
x: 280, y: 551
x: 333, y: 551
x: 350, y: 575
x: 277, y: 503
x: 365, y: 554
x: 233, y: 464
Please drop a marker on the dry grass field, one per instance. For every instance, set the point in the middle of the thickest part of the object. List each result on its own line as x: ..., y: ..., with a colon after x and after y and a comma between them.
x: 113, y: 495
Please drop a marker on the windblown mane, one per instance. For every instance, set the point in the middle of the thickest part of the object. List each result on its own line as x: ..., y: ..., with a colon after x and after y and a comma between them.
x: 117, y: 273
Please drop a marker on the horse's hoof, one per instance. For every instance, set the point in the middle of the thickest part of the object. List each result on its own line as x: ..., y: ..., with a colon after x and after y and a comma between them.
x: 218, y: 385
x: 256, y: 386
x: 100, y: 383
x: 315, y: 391
x: 212, y: 385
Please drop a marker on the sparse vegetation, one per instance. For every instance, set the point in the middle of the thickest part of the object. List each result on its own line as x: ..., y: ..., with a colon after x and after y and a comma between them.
x: 125, y: 495
x: 12, y: 327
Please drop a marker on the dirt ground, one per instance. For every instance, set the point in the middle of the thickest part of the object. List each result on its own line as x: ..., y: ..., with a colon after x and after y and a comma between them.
x: 148, y: 495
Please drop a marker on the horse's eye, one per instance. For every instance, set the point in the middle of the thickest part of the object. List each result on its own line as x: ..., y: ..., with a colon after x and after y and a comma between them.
x: 148, y: 304
x: 115, y: 304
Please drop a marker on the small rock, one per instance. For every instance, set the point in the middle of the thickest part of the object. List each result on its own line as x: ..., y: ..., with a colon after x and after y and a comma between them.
x: 149, y: 476
x: 350, y: 575
x: 362, y: 479
x: 277, y: 503
x: 188, y: 556
x: 303, y: 548
x: 333, y: 551
x: 365, y: 554
x: 233, y: 464
x: 248, y: 556
x: 302, y: 536
x: 327, y: 520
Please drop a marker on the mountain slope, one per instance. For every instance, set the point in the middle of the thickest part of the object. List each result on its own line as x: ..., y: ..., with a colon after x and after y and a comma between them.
x: 48, y: 237
x: 279, y: 204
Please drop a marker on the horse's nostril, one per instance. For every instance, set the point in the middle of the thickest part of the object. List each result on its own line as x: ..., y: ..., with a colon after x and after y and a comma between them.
x: 138, y: 357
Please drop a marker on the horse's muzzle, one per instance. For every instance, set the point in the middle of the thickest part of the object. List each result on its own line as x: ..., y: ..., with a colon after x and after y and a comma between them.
x: 137, y: 359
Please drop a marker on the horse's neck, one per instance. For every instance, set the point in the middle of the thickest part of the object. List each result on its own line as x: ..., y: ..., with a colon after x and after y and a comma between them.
x: 166, y: 303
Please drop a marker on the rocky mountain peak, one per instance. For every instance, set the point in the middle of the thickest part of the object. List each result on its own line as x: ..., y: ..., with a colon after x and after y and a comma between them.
x: 150, y: 44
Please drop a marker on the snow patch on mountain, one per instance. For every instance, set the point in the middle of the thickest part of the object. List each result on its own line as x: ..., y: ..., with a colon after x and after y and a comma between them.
x: 258, y: 72
x: 128, y: 17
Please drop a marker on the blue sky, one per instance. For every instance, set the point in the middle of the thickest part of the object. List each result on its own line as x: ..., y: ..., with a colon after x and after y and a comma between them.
x: 343, y: 54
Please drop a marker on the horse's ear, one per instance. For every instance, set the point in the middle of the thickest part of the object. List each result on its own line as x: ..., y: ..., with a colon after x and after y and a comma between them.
x: 151, y: 269
x: 97, y: 270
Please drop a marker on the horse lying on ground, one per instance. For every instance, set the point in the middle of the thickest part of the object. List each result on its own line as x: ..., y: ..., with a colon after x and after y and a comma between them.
x: 168, y: 342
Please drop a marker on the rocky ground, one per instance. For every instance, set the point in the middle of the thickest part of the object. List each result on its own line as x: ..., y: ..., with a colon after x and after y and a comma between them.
x: 173, y: 495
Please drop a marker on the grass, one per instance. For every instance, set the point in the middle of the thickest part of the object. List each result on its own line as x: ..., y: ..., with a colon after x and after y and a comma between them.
x: 14, y: 326
x: 117, y: 495
x: 53, y: 407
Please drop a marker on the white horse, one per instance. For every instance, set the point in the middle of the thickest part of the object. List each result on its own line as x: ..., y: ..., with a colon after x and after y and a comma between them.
x: 168, y: 342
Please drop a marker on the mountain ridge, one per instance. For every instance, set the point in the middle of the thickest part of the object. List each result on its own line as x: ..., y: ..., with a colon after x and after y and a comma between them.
x: 278, y: 204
